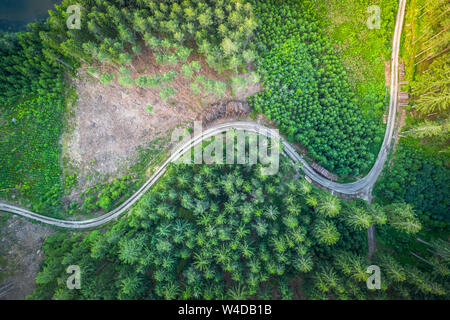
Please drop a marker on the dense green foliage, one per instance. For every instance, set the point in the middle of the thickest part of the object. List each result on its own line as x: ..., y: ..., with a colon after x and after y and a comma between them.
x: 306, y: 90
x: 113, y: 31
x: 344, y: 277
x: 210, y: 232
x: 228, y: 231
x: 200, y: 226
x: 32, y: 104
x: 103, y: 197
x: 418, y: 179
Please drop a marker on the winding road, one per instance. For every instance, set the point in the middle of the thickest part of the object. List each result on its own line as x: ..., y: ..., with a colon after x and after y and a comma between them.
x: 361, y: 188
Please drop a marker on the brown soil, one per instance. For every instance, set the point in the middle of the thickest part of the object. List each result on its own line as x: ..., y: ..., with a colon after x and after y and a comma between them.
x: 21, y: 249
x: 109, y: 123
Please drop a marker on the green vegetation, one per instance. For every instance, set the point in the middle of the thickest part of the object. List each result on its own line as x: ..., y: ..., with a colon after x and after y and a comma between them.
x: 431, y: 88
x: 344, y: 277
x: 425, y: 51
x: 420, y: 180
x: 113, y: 31
x: 150, y: 109
x: 426, y: 54
x: 306, y: 89
x: 229, y: 231
x: 220, y: 232
x: 33, y: 97
x: 105, y: 196
x: 419, y: 173
x: 362, y: 50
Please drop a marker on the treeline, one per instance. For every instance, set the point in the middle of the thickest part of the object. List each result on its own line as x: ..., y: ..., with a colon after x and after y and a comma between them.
x: 228, y: 232
x: 114, y: 31
x: 306, y: 92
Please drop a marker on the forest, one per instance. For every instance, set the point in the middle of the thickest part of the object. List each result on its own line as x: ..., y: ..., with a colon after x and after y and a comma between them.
x: 419, y: 173
x: 228, y: 231
x: 307, y: 93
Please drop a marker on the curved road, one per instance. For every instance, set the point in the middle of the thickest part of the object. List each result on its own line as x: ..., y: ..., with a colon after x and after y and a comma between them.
x: 361, y: 188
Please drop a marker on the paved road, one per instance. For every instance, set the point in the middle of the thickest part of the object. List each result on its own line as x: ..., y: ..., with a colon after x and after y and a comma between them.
x: 361, y: 188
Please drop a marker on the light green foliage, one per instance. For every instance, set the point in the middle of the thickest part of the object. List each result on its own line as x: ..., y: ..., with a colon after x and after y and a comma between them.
x: 166, y: 93
x: 220, y: 89
x: 358, y: 218
x: 142, y: 82
x: 172, y: 59
x: 329, y: 206
x: 425, y: 49
x: 196, y: 66
x: 153, y: 81
x: 92, y: 71
x: 33, y: 97
x: 208, y: 85
x: 125, y: 58
x: 195, y: 88
x: 124, y: 78
x: 346, y: 24
x: 345, y: 278
x: 401, y: 216
x: 183, y: 53
x: 186, y: 71
x: 254, y: 78
x: 136, y: 49
x: 106, y: 78
x: 326, y: 232
x: 104, y: 196
x: 431, y: 89
x: 238, y: 83
x: 168, y: 77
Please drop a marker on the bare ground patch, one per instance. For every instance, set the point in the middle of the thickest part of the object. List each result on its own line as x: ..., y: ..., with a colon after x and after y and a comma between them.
x: 109, y: 123
x: 21, y: 249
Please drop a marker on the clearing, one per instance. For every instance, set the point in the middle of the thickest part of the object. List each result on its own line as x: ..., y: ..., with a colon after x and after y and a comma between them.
x: 109, y: 123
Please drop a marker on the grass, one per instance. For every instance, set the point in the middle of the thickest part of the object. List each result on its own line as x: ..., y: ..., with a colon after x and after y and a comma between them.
x: 363, y: 50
